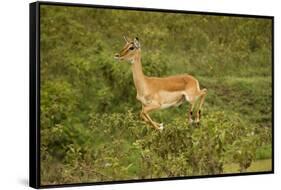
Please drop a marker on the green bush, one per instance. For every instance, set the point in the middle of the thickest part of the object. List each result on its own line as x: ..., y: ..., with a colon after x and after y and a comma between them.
x: 120, y: 146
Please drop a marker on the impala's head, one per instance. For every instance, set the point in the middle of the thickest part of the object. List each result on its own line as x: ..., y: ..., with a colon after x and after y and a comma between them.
x: 130, y: 50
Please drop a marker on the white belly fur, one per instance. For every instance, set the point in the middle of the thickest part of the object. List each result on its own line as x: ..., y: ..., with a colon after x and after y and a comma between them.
x: 169, y: 99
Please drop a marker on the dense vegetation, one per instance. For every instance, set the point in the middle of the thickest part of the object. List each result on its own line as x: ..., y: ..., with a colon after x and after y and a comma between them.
x: 90, y: 125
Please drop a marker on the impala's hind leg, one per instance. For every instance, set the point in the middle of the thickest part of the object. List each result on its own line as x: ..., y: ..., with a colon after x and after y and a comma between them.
x: 190, y: 113
x: 191, y: 100
x: 202, y: 96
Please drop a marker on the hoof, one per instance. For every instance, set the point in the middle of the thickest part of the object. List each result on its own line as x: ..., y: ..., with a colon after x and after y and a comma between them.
x: 161, y: 127
x: 197, y: 121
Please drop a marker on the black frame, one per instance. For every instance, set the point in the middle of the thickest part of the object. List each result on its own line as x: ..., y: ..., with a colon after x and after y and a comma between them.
x: 34, y: 93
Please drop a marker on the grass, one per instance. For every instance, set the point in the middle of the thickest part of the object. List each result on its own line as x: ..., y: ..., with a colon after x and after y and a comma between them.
x: 256, y: 166
x: 264, y: 152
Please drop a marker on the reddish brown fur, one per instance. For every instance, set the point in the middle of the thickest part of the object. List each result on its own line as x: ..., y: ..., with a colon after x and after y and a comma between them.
x: 172, y: 83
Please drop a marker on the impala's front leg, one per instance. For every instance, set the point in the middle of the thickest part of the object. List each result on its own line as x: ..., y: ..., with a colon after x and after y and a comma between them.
x: 149, y: 108
x: 142, y: 115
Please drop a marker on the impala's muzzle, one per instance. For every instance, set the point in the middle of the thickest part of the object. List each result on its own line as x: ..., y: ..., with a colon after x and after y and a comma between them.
x: 117, y: 56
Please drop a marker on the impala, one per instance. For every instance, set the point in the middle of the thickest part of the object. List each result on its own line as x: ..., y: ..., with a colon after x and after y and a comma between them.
x: 156, y: 93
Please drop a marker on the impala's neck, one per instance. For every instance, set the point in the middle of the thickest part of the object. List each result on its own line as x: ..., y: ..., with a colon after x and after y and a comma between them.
x: 139, y: 77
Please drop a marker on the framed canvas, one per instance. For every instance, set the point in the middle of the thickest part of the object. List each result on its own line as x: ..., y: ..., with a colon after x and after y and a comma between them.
x: 120, y: 94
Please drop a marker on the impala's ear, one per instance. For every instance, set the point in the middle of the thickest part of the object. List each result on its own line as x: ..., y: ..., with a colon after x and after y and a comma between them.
x: 136, y: 42
x: 125, y: 39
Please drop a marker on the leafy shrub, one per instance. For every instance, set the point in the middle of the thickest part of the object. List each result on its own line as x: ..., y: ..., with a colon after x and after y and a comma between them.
x: 120, y: 146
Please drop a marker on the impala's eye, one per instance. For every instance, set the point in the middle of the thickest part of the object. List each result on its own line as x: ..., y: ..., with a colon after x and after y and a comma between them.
x: 131, y: 48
